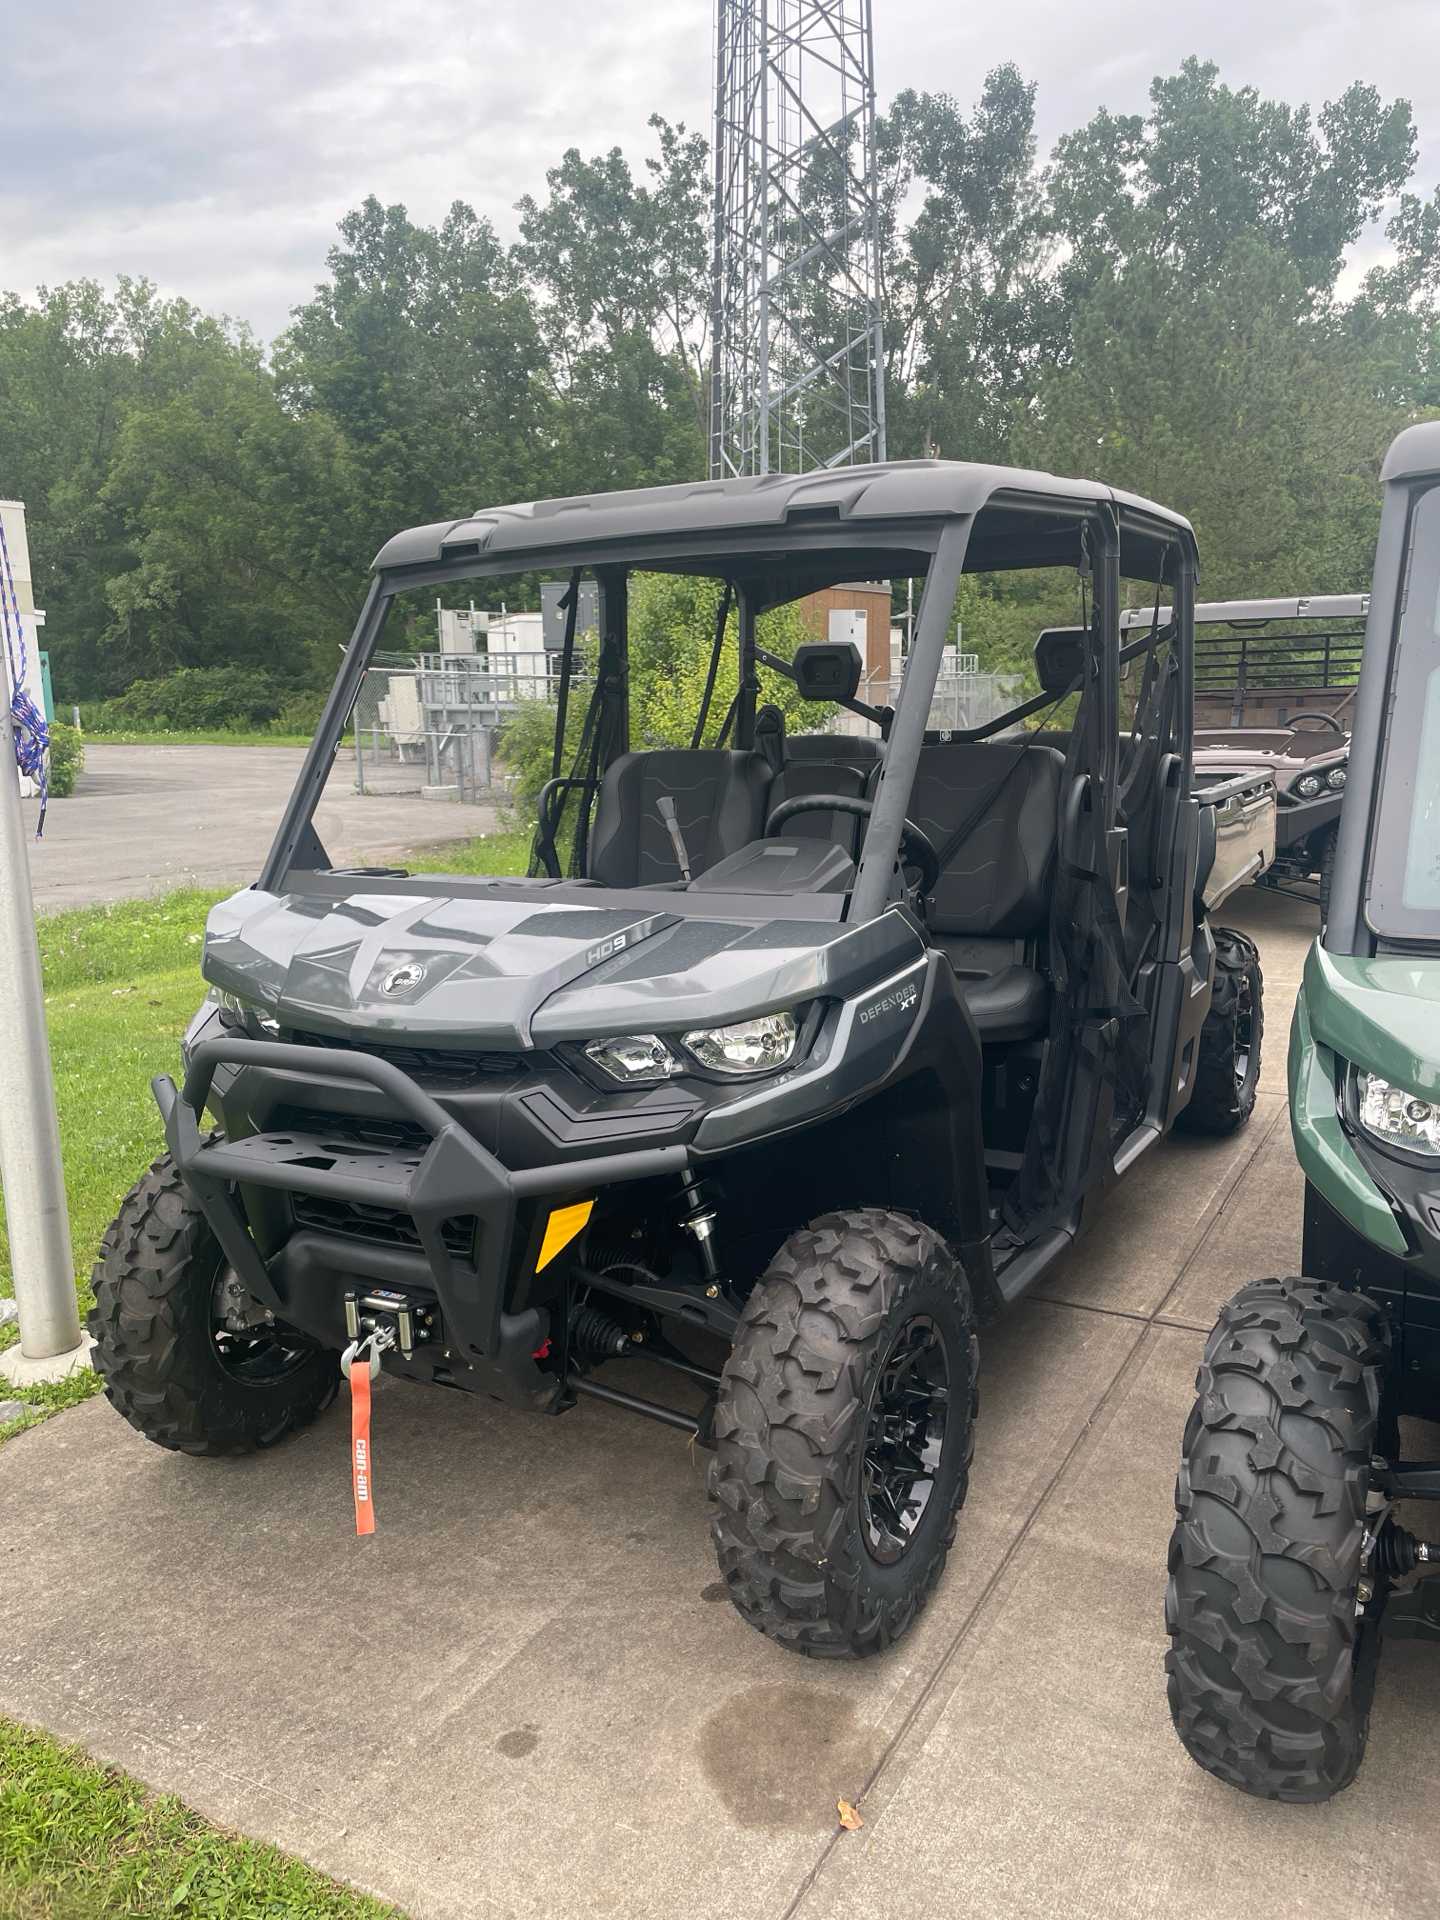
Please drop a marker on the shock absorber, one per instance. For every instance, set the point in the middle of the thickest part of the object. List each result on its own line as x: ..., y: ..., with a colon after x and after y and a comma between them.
x: 699, y: 1223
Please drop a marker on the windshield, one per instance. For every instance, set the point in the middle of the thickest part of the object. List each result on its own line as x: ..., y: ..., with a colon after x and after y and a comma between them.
x: 1404, y: 886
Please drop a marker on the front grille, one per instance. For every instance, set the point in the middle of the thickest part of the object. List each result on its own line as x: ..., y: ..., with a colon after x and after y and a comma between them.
x: 382, y: 1226
x: 352, y: 1130
x: 446, y: 1068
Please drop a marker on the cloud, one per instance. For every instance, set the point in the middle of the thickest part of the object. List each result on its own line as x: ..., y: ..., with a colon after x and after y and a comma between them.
x: 213, y: 147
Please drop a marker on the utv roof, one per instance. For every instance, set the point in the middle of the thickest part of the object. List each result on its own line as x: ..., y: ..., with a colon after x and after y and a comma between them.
x: 1413, y: 453
x: 894, y: 506
x: 1320, y: 606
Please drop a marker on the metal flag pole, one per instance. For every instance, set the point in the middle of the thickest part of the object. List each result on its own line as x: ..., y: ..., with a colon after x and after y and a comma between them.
x: 36, y: 1214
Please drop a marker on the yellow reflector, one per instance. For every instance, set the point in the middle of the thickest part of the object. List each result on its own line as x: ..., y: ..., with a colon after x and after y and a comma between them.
x: 561, y: 1228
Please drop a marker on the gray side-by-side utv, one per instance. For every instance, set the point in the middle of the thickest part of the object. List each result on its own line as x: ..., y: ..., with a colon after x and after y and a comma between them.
x: 824, y: 1044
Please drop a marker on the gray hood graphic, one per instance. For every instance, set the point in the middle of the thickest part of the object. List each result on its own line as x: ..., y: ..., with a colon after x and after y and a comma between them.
x: 501, y: 973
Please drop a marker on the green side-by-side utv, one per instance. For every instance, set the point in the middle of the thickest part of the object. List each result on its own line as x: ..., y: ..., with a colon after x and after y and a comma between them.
x: 800, y: 1055
x: 1291, y: 1563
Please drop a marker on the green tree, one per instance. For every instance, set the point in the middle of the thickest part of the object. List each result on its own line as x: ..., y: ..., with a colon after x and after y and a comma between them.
x: 620, y: 272
x: 672, y: 633
x: 1210, y: 168
x: 968, y: 313
x: 1221, y: 402
x: 70, y: 368
x: 423, y: 353
x: 241, y: 548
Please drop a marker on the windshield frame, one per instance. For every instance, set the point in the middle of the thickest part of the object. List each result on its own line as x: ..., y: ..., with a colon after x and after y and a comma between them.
x: 1411, y: 723
x: 1020, y: 522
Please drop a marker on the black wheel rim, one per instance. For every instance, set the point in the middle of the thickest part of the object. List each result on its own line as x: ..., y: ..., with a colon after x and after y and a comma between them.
x: 1244, y: 1021
x: 904, y: 1439
x: 258, y: 1355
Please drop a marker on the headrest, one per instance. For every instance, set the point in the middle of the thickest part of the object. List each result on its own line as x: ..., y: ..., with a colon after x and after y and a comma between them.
x: 1060, y: 658
x: 827, y: 669
x: 770, y: 735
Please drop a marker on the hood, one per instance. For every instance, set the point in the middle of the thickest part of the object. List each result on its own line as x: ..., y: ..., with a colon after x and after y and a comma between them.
x: 1382, y: 1014
x: 508, y: 973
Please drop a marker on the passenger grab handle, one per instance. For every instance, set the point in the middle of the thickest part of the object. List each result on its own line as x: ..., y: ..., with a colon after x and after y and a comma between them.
x: 1070, y: 825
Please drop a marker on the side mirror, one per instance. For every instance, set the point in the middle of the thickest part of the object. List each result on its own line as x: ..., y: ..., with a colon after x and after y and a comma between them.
x: 827, y: 669
x: 1060, y: 659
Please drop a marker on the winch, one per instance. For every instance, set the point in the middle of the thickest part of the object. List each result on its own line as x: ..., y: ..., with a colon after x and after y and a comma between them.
x: 413, y: 1321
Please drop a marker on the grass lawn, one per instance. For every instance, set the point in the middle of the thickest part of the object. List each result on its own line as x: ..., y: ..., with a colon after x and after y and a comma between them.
x: 80, y: 1841
x: 505, y: 852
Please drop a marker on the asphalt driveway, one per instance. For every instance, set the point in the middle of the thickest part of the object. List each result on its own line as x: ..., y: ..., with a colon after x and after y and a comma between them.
x: 146, y: 818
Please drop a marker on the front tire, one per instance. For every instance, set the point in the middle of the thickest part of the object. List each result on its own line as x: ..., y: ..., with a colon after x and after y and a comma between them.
x: 1227, y: 1069
x: 844, y: 1433
x: 169, y: 1362
x: 1272, y: 1655
x: 1325, y: 866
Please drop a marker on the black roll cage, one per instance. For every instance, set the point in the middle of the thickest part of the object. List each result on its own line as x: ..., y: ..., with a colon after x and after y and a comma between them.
x: 1016, y: 527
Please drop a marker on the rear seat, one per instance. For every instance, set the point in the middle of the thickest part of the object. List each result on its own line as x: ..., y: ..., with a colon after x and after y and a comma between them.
x: 993, y: 894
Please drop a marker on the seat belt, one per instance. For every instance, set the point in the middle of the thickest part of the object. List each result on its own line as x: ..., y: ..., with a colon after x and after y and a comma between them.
x: 972, y: 820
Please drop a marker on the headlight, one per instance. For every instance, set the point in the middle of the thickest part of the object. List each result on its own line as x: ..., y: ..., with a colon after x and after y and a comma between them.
x: 632, y: 1057
x: 1308, y: 785
x: 750, y: 1046
x: 1335, y: 779
x: 1396, y: 1117
x: 255, y: 1020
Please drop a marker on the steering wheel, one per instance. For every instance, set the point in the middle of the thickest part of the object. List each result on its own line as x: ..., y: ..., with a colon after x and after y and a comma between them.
x: 916, y: 848
x: 1308, y: 713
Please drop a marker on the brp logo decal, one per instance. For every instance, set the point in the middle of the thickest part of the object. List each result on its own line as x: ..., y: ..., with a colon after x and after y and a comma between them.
x: 403, y: 978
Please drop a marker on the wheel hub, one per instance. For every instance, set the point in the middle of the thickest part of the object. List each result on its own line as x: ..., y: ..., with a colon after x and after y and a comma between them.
x: 251, y: 1344
x: 904, y: 1439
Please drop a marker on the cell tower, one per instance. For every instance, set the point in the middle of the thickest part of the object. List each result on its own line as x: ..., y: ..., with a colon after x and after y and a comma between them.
x: 796, y: 370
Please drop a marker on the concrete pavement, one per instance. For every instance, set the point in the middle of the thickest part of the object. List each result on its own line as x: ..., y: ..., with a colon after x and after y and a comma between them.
x: 526, y: 1696
x: 142, y: 819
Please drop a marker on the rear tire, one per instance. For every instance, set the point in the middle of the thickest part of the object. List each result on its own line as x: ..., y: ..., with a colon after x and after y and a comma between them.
x: 168, y: 1363
x: 839, y: 1468
x: 1271, y: 1671
x: 1227, y: 1071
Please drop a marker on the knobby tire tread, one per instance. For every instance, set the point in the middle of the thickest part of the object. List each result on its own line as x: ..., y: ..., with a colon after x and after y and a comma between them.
x: 1266, y: 1686
x: 1327, y: 869
x: 790, y: 1429
x: 153, y: 1347
x: 1218, y: 1103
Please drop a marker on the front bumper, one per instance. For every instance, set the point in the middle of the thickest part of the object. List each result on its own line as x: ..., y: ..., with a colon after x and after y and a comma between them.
x: 454, y: 1179
x: 1371, y: 1220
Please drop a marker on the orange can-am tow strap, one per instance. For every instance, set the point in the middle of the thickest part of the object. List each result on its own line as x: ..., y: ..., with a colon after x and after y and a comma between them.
x: 360, y: 1446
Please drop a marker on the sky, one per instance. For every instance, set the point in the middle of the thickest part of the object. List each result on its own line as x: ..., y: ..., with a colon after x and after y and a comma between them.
x: 213, y: 147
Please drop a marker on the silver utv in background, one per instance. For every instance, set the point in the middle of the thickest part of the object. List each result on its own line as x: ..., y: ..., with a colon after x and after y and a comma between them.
x: 1275, y: 686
